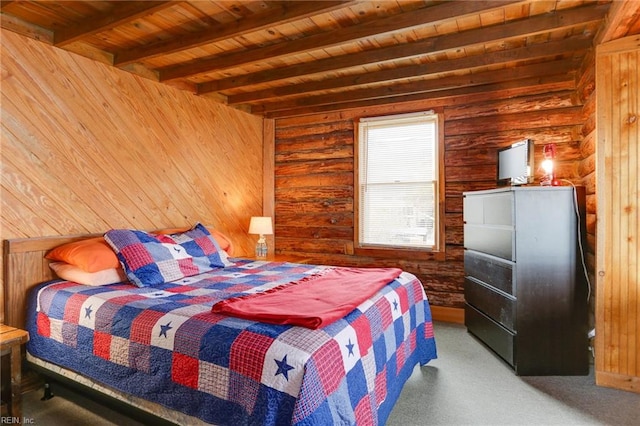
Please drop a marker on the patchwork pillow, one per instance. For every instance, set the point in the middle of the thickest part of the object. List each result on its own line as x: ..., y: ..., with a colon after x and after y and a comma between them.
x: 77, y: 275
x: 151, y: 259
x: 90, y: 255
x: 223, y: 241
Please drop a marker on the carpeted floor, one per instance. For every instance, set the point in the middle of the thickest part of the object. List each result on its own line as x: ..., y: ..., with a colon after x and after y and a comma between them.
x: 466, y: 385
x: 469, y: 385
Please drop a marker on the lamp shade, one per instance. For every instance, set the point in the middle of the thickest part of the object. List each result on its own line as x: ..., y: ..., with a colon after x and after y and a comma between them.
x: 260, y: 225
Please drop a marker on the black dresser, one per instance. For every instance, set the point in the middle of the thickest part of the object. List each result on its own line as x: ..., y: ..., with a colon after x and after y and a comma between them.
x: 526, y: 297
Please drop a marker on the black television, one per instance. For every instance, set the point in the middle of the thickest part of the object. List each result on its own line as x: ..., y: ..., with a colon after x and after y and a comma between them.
x: 515, y: 163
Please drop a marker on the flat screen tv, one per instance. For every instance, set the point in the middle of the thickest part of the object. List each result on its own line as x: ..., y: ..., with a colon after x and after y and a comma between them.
x: 515, y: 163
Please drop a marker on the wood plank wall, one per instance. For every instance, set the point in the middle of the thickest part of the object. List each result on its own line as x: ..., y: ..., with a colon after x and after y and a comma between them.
x: 314, y: 172
x: 86, y: 148
x: 617, y: 362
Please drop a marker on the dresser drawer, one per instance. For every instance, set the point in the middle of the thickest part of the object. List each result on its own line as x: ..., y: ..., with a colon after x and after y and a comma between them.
x: 491, y: 333
x: 495, y: 240
x: 489, y: 209
x: 491, y: 270
x: 497, y: 306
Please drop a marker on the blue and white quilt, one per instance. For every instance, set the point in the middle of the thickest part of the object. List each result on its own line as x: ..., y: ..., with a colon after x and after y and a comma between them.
x: 164, y: 344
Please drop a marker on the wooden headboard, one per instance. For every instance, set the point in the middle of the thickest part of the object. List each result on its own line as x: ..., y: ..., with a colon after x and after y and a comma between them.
x: 25, y: 267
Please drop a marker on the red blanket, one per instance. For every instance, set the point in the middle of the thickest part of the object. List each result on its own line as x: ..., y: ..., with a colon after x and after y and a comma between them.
x: 312, y: 302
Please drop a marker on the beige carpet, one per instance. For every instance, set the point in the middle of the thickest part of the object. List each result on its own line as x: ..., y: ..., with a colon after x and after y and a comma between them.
x: 469, y: 385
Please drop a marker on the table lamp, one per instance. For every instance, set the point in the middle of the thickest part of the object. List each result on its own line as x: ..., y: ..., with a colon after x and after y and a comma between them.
x: 549, y: 154
x: 262, y: 226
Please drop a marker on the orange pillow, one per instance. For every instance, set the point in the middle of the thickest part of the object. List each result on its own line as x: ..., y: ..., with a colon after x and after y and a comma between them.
x: 224, y: 242
x: 90, y: 255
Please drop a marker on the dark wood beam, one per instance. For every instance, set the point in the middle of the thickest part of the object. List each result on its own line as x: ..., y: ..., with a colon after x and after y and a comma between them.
x: 537, y: 51
x: 436, y: 84
x: 413, y: 19
x: 5, y: 3
x: 466, y: 95
x: 122, y: 13
x: 533, y: 26
x: 275, y: 16
x: 27, y: 29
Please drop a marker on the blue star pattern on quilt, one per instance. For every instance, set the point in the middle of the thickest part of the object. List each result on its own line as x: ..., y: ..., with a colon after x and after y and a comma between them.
x: 395, y: 304
x: 283, y: 367
x: 87, y: 311
x: 350, y: 347
x: 164, y: 329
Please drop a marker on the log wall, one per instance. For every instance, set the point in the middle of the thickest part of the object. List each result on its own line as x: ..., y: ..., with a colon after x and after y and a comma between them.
x: 314, y: 173
x: 86, y: 148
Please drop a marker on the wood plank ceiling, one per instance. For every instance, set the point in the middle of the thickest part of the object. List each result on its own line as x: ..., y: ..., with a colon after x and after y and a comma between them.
x: 287, y: 58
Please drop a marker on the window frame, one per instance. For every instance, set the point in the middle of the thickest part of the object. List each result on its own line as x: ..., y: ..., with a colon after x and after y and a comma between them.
x: 437, y: 252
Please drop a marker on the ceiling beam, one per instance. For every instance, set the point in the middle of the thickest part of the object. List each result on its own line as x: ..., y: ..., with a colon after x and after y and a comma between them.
x: 534, y: 25
x: 537, y: 51
x: 403, y: 21
x: 121, y: 14
x: 27, y: 29
x: 466, y: 95
x: 618, y: 20
x: 436, y: 84
x: 5, y: 3
x: 270, y: 18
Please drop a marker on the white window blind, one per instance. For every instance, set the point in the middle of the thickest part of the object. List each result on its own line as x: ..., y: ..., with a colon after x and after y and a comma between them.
x: 398, y: 181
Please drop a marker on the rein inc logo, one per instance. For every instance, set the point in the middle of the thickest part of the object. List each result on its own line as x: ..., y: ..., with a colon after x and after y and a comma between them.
x: 8, y: 420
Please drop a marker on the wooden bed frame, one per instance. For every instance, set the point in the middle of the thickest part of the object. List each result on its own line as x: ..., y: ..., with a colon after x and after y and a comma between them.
x: 24, y: 267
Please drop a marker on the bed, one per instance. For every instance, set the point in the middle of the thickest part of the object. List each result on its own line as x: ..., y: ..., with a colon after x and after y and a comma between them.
x: 180, y: 349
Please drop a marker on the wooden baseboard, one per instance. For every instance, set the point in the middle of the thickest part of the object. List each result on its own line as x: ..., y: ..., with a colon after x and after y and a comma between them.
x: 447, y: 314
x: 618, y: 381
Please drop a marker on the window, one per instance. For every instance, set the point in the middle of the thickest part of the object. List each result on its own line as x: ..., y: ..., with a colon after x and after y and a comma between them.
x: 398, y: 182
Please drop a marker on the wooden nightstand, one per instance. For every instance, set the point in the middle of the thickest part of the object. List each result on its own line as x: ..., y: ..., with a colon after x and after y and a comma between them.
x: 11, y: 340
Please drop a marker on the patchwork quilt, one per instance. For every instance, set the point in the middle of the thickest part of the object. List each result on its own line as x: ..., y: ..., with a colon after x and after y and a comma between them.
x: 165, y: 344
